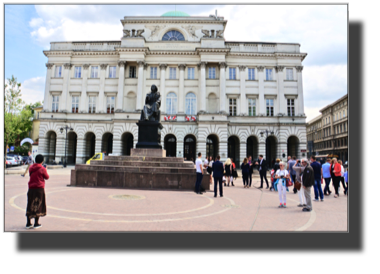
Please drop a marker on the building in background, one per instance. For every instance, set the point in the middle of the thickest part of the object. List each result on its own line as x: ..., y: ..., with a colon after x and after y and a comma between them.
x: 227, y: 98
x: 36, y: 124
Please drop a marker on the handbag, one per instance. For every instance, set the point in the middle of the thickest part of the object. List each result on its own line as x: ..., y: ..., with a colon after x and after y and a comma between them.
x: 297, y: 185
x: 288, y: 182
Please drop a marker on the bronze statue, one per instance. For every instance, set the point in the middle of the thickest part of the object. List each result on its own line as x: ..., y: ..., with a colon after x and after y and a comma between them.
x: 151, y: 110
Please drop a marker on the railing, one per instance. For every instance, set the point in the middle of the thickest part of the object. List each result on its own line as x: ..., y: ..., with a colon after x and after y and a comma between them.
x: 85, y: 45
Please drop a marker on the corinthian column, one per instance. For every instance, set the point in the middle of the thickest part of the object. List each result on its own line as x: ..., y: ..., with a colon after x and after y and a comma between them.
x: 203, y: 86
x: 300, y: 90
x: 84, y: 89
x: 222, y: 87
x: 65, y: 102
x: 102, y: 83
x: 261, y: 91
x: 162, y: 87
x: 181, y: 93
x: 280, y: 86
x: 140, y: 83
x: 47, y: 86
x: 120, y: 89
x: 243, y: 100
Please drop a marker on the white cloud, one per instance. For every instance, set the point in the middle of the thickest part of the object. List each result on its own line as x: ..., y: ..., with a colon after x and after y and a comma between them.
x: 35, y: 22
x: 33, y: 90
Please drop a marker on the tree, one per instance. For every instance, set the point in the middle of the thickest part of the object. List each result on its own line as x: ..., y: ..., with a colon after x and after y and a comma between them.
x: 12, y: 96
x: 31, y: 106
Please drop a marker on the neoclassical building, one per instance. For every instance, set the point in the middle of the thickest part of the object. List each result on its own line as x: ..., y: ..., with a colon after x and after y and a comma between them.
x: 246, y: 98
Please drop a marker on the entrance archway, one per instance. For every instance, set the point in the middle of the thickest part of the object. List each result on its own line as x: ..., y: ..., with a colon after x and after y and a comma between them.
x: 212, y: 146
x: 189, y: 148
x: 71, y: 147
x: 253, y: 148
x: 170, y: 145
x: 50, y: 146
x: 271, y: 150
x: 293, y: 144
x: 126, y: 143
x: 107, y: 141
x: 89, y: 149
x: 234, y: 149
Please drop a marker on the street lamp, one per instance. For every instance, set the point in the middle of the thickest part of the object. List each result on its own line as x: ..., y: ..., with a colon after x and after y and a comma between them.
x: 66, y: 128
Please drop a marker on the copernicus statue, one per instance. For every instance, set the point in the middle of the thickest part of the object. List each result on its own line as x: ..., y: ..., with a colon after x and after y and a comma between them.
x: 151, y: 110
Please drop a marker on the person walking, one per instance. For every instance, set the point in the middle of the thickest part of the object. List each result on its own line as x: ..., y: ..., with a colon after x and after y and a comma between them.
x: 262, y: 165
x: 209, y: 168
x: 342, y: 177
x: 281, y: 175
x: 228, y: 169
x: 307, y: 183
x: 292, y: 173
x: 301, y: 193
x: 245, y: 172
x: 326, y: 176
x: 29, y: 162
x: 251, y: 165
x: 36, y: 205
x: 335, y: 171
x: 217, y: 172
x: 318, y: 194
x: 199, y: 168
x: 233, y: 171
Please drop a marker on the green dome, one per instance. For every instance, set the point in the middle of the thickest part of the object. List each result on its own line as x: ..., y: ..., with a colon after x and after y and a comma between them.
x: 175, y: 13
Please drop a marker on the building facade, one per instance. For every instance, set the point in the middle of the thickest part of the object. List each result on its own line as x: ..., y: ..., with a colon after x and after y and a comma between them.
x: 229, y: 98
x: 329, y: 131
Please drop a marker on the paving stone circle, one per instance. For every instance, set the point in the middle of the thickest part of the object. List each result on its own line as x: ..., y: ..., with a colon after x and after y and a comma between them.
x: 126, y: 197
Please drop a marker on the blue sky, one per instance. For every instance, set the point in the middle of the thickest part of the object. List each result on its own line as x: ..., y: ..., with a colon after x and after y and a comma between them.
x: 320, y: 29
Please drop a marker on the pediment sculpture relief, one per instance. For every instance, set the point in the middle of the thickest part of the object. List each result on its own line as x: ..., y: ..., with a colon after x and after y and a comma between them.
x: 127, y: 33
x: 206, y: 33
x: 155, y: 29
x: 219, y: 33
x: 191, y: 30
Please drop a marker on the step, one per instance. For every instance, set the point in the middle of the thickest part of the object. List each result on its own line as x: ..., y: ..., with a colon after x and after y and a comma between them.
x: 142, y: 164
x: 137, y: 169
x: 146, y: 158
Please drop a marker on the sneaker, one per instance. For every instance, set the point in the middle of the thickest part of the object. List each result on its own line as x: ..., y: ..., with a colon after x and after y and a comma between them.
x: 300, y: 205
x: 284, y: 205
x: 306, y: 209
x: 29, y: 226
x: 37, y: 226
x: 22, y: 175
x: 221, y: 195
x: 322, y: 200
x: 280, y: 205
x: 304, y: 204
x: 315, y: 200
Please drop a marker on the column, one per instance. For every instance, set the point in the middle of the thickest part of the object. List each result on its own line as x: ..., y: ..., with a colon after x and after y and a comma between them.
x: 300, y: 90
x: 162, y: 87
x: 120, y: 90
x: 81, y: 149
x: 281, y: 103
x: 116, y: 147
x: 64, y: 103
x: 140, y: 83
x: 203, y: 86
x: 181, y: 90
x: 98, y: 144
x: 243, y: 100
x: 102, y: 82
x: 47, y: 87
x: 83, y: 100
x: 261, y: 91
x: 144, y: 89
x: 222, y: 87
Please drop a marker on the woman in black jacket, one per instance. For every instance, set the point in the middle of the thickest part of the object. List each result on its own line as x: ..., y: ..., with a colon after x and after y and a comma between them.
x: 245, y: 172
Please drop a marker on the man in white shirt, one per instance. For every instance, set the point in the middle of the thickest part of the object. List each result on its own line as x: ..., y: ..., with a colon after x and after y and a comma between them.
x: 199, y: 167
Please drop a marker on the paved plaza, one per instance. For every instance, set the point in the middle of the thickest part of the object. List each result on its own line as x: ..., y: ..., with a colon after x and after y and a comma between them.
x: 105, y: 209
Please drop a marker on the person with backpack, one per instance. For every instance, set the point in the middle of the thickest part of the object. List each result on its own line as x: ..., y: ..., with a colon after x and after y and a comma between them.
x: 307, y: 182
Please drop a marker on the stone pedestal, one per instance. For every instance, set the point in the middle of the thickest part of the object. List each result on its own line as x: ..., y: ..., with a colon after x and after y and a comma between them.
x: 149, y: 134
x: 152, y: 152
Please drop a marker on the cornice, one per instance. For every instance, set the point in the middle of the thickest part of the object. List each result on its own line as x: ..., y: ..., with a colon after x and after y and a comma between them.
x: 95, y: 53
x: 164, y: 52
x: 213, y: 50
x: 171, y: 21
x: 48, y: 53
x: 137, y: 49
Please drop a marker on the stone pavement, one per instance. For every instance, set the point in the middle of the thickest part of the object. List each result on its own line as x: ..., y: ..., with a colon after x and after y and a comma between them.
x: 105, y: 209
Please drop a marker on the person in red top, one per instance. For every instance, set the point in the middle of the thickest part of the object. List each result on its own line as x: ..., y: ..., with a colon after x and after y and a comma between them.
x: 335, y: 171
x: 36, y: 207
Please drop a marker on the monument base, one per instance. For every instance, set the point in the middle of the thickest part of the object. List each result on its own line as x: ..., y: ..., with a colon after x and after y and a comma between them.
x: 149, y: 134
x: 152, y: 152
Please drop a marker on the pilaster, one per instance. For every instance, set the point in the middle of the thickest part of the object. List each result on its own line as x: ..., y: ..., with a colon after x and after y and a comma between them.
x: 84, y: 89
x: 47, y: 105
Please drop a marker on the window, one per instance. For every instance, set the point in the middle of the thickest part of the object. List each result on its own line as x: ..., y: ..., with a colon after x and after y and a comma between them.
x: 251, y: 74
x: 341, y: 128
x: 172, y: 73
x: 94, y: 72
x: 252, y: 107
x: 344, y: 113
x: 91, y: 104
x: 58, y: 71
x: 345, y: 129
x: 171, y: 103
x: 132, y: 72
x: 190, y: 73
x: 289, y: 74
x: 329, y: 119
x: 110, y: 104
x: 191, y: 104
x: 270, y: 104
x: 269, y: 74
x: 78, y: 72
x: 112, y: 73
x: 173, y: 35
x: 153, y: 73
x: 232, y: 107
x: 54, y: 107
x: 290, y: 107
x: 211, y: 73
x: 232, y: 73
x: 75, y: 104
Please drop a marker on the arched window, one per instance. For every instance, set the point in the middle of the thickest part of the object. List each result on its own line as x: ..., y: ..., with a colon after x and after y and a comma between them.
x: 171, y: 103
x: 191, y: 104
x: 173, y: 35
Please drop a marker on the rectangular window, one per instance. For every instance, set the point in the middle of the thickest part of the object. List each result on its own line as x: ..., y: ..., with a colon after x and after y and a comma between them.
x: 270, y: 108
x: 54, y: 107
x: 269, y: 74
x: 344, y: 113
x: 289, y: 74
x: 232, y: 73
x: 94, y: 72
x: 78, y: 72
x: 172, y: 73
x: 132, y: 72
x: 232, y: 107
x: 75, y: 104
x: 112, y: 73
x: 91, y: 104
x: 153, y: 73
x: 211, y: 73
x: 190, y: 73
x: 252, y: 107
x: 251, y: 74
x: 58, y: 71
x: 110, y: 104
x: 291, y: 107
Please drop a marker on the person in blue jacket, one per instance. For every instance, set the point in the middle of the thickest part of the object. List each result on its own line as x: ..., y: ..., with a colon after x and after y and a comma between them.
x: 217, y: 173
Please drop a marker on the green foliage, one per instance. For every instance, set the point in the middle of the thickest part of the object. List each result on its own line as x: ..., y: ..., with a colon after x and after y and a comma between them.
x: 31, y: 106
x: 12, y: 96
x: 22, y: 150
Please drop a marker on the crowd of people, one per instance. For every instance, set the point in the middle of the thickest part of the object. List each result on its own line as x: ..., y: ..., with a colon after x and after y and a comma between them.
x: 302, y: 174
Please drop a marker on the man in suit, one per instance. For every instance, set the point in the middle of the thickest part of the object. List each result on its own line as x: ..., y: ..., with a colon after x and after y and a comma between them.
x: 262, y: 165
x: 217, y: 173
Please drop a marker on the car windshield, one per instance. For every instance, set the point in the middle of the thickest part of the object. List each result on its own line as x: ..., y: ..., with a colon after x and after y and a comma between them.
x: 97, y: 156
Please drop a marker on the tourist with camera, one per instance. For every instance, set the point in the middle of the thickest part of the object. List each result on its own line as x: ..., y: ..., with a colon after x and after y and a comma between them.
x: 281, y: 175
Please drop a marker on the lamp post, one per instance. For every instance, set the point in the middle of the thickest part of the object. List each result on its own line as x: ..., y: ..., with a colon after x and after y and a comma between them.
x: 66, y: 128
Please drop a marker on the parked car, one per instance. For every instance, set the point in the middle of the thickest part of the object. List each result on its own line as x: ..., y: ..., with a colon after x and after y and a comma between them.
x: 97, y: 156
x: 11, y: 161
x: 17, y: 158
